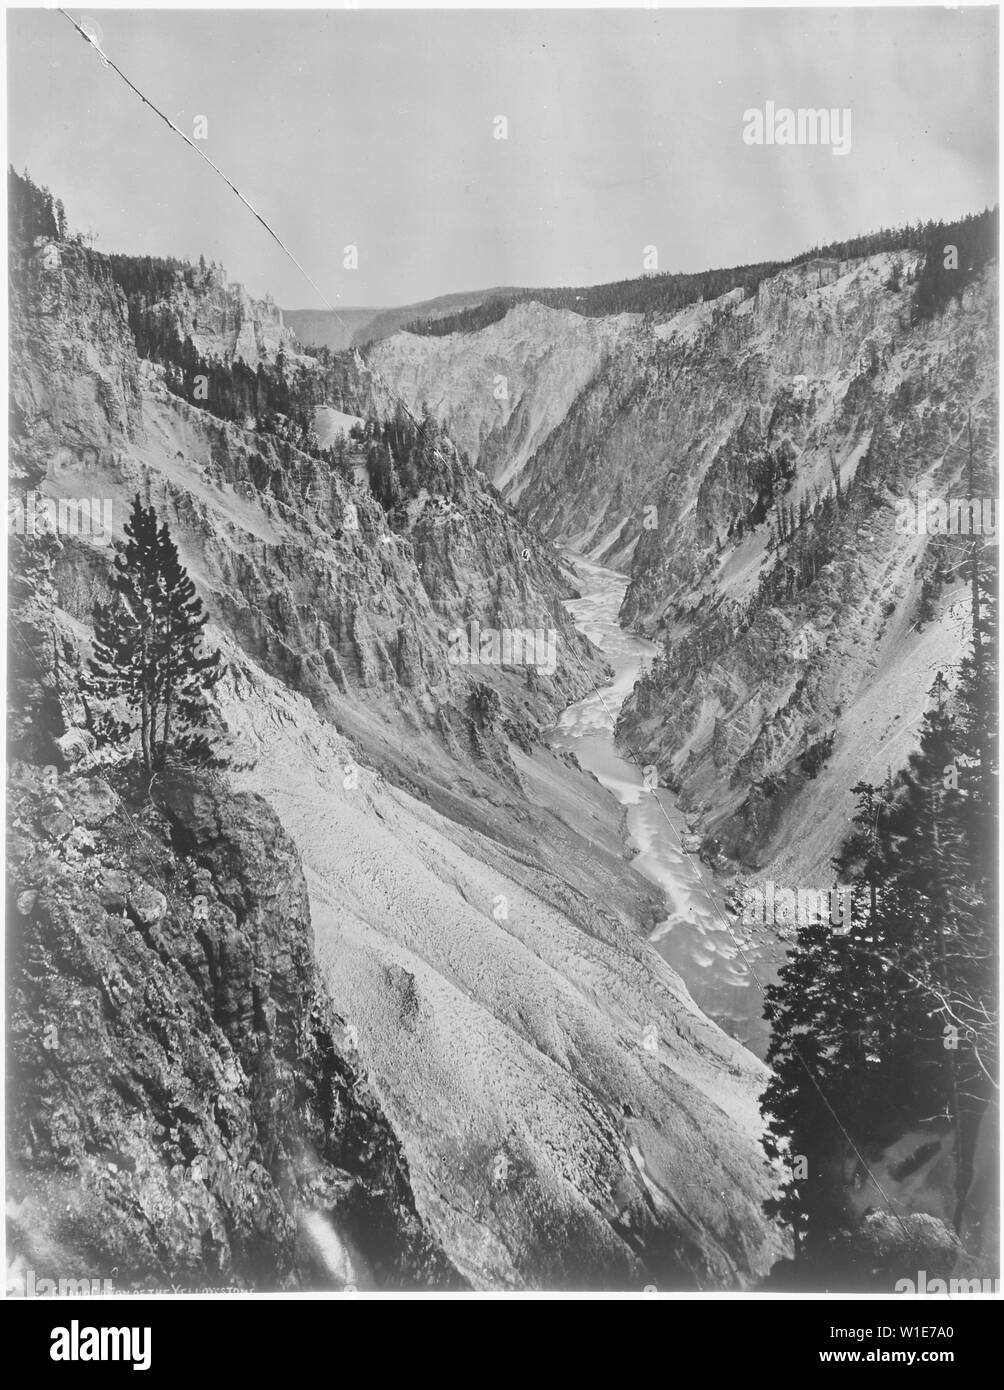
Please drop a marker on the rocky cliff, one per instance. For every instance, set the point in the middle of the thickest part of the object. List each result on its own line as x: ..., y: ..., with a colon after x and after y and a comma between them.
x: 319, y: 583
x: 501, y: 392
x: 223, y: 320
x: 800, y: 653
x: 568, y: 1117
x: 186, y: 1111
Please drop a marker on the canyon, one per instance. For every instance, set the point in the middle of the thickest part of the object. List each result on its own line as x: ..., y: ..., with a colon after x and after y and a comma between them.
x: 659, y: 455
x: 469, y: 1012
x: 475, y: 922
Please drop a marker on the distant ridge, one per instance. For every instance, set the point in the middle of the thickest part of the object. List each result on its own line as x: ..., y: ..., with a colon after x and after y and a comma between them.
x: 338, y: 329
x: 663, y: 293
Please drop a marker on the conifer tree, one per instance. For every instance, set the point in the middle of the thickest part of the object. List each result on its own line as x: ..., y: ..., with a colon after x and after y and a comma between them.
x: 890, y: 1022
x: 147, y: 649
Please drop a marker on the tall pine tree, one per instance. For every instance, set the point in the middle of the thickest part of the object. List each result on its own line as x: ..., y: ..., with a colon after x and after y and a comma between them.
x: 147, y: 650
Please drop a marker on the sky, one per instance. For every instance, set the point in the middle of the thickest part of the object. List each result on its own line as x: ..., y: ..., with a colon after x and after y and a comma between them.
x: 378, y: 129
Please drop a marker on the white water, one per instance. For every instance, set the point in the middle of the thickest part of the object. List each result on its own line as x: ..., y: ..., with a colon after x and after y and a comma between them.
x: 695, y: 938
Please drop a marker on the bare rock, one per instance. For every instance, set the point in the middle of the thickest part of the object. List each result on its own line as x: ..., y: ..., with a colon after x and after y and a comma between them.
x: 180, y: 1097
x: 113, y: 890
x: 57, y: 824
x: 146, y: 903
x: 75, y: 746
x: 92, y: 801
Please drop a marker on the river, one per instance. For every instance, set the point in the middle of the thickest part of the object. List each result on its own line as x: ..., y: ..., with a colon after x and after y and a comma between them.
x: 693, y: 938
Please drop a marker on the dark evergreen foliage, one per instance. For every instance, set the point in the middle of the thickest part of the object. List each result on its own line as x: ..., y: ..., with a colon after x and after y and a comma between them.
x: 469, y: 320
x: 147, y: 651
x: 975, y: 240
x: 889, y: 1021
x: 405, y: 456
x: 31, y: 211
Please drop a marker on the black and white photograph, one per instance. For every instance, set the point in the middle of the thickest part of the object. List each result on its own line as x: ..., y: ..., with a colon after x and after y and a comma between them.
x: 502, y: 639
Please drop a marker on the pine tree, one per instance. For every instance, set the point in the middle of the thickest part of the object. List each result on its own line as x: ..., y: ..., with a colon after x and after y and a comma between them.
x: 847, y: 1043
x: 891, y: 1023
x: 147, y: 649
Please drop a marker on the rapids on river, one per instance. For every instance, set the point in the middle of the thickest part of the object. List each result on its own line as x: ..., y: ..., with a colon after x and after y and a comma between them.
x: 696, y: 938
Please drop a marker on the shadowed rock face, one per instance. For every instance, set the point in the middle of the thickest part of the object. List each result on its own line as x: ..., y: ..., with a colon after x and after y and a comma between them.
x: 183, y: 1101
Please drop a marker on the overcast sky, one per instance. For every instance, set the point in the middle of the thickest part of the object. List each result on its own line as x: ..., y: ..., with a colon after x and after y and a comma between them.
x: 624, y: 131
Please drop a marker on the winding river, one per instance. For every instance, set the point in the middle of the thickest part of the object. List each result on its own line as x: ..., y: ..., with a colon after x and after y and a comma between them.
x: 694, y: 938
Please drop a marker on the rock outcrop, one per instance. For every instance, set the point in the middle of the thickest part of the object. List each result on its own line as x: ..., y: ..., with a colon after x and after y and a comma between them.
x: 224, y: 321
x: 500, y: 392
x: 185, y: 1107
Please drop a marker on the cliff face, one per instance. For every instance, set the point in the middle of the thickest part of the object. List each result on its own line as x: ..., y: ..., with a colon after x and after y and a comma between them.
x: 223, y: 320
x: 800, y: 661
x: 502, y: 391
x: 569, y: 1119
x: 300, y: 562
x: 185, y: 1110
x: 486, y: 952
x: 73, y: 396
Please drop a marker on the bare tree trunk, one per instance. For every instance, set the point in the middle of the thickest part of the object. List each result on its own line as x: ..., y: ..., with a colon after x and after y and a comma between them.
x: 168, y: 693
x: 145, y: 737
x: 983, y: 732
x: 940, y: 910
x: 147, y: 714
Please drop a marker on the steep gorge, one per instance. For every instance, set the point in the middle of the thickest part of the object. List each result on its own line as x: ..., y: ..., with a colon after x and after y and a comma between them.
x: 475, y: 923
x: 692, y: 441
